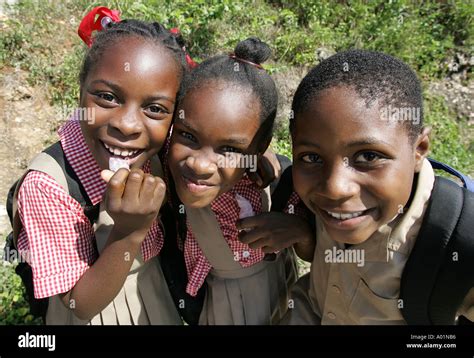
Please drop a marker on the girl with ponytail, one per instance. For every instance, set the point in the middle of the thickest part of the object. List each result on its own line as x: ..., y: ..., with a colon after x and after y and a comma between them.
x: 222, y: 125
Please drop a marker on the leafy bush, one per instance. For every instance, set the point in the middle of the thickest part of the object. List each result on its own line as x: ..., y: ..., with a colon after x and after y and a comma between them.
x: 446, y: 144
x: 14, y: 309
x: 423, y: 36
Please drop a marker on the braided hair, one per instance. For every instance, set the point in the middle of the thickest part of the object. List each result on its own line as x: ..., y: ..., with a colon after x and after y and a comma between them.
x: 134, y: 28
x: 243, y: 69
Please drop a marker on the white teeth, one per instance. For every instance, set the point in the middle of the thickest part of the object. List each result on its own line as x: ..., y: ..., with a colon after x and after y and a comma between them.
x: 120, y: 151
x: 347, y: 216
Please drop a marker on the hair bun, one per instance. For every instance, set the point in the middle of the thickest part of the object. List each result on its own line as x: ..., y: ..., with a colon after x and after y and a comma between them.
x: 253, y: 50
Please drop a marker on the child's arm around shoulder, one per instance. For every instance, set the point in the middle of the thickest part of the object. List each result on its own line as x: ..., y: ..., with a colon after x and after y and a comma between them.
x: 275, y: 231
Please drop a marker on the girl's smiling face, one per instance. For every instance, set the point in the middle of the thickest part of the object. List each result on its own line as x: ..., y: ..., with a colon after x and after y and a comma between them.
x: 215, y: 121
x: 350, y: 167
x: 131, y: 92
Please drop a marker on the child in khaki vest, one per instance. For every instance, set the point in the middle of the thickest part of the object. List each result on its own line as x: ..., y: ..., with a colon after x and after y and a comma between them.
x: 359, y: 163
x: 223, y: 123
x: 107, y: 273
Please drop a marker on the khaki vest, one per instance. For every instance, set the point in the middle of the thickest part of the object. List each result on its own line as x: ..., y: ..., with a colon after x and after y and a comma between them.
x: 144, y: 297
x: 236, y: 295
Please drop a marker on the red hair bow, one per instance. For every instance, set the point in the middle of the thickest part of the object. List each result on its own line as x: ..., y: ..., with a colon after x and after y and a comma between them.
x: 89, y: 23
x: 191, y: 63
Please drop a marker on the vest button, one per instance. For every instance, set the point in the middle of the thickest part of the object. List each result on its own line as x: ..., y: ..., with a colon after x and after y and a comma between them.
x: 331, y: 315
x: 336, y: 289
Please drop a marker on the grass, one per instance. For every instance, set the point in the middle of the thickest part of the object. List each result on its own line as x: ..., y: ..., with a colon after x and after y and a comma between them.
x: 448, y: 143
x: 14, y: 308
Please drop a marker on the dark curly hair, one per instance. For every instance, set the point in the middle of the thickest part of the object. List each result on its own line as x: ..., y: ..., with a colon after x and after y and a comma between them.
x: 373, y: 75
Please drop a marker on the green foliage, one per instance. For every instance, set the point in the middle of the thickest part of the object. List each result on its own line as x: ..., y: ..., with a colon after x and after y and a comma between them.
x: 423, y: 36
x: 14, y: 309
x: 281, y: 142
x: 446, y: 145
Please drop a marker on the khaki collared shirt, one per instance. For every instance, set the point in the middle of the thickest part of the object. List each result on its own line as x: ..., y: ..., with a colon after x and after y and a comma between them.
x: 364, y: 286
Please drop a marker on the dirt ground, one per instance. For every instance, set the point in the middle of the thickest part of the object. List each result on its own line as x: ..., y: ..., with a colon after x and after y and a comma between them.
x: 27, y: 125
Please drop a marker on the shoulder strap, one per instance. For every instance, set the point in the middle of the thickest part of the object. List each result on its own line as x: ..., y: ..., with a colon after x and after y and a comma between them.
x: 456, y: 276
x: 283, y: 190
x: 53, y: 162
x: 429, y: 259
x: 468, y: 182
x: 209, y: 236
x: 75, y: 189
x: 45, y: 163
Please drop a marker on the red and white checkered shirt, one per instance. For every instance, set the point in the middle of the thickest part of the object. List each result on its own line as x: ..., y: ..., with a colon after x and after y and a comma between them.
x: 227, y: 211
x: 296, y: 206
x: 57, y: 239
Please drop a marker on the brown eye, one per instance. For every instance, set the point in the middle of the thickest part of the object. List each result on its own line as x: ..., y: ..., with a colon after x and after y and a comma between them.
x: 187, y: 136
x: 367, y: 157
x: 157, y: 109
x: 311, y: 158
x: 106, y: 96
x: 228, y: 149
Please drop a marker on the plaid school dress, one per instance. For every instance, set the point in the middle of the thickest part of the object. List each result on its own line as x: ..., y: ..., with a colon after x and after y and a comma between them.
x: 242, y: 288
x: 60, y: 244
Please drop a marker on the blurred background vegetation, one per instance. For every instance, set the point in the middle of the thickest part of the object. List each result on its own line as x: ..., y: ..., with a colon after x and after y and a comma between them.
x: 434, y: 38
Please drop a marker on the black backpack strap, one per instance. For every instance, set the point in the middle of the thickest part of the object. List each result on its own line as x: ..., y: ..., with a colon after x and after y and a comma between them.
x: 283, y: 190
x: 429, y: 259
x: 9, y: 204
x: 76, y: 190
x: 468, y: 182
x: 173, y: 266
x: 285, y: 162
x: 456, y: 276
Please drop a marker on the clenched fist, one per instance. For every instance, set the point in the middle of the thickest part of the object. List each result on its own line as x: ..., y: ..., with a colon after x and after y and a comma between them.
x: 133, y: 199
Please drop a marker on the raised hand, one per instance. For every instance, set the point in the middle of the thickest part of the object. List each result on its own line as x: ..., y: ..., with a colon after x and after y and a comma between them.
x: 133, y: 199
